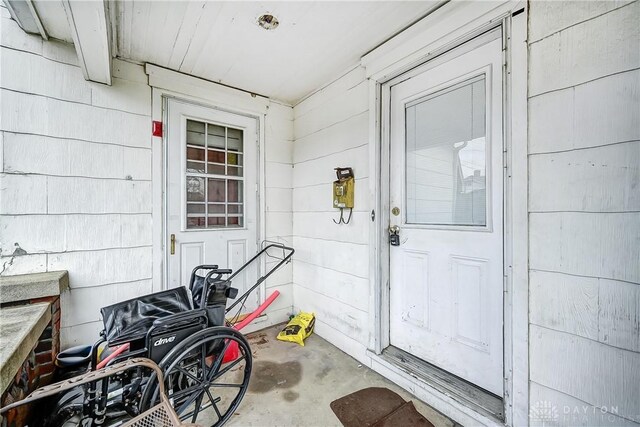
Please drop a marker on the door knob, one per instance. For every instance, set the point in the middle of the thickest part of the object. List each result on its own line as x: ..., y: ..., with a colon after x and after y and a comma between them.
x: 173, y: 244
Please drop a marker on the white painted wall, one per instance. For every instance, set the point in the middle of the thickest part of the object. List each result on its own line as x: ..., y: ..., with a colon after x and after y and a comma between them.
x: 584, y: 202
x: 278, y: 203
x: 331, y: 266
x: 76, y: 178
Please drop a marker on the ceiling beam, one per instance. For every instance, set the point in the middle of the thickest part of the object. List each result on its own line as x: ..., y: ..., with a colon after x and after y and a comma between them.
x: 25, y: 14
x: 90, y: 27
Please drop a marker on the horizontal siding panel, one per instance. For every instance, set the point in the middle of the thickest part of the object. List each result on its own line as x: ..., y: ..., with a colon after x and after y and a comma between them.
x: 23, y: 194
x: 619, y: 314
x: 329, y: 93
x: 278, y: 150
x: 565, y: 303
x: 89, y: 232
x: 603, y: 179
x: 96, y: 268
x: 352, y: 259
x: 34, y: 234
x: 24, y: 153
x: 278, y: 125
x: 278, y: 200
x: 11, y: 264
x: 36, y: 154
x: 319, y: 198
x: 284, y: 300
x: 136, y: 163
x: 136, y: 230
x: 61, y: 233
x: 343, y: 318
x: 552, y: 408
x: 346, y: 288
x: 598, y: 245
x: 87, y: 195
x: 279, y: 224
x: 278, y: 175
x: 601, y: 112
x: 71, y: 120
x: 319, y: 171
x: 565, y: 59
x: 351, y: 133
x: 353, y: 102
x: 124, y: 95
x: 281, y: 276
x: 11, y: 35
x: 548, y: 17
x: 320, y: 225
x: 80, y: 334
x: 60, y: 51
x: 557, y: 359
x: 32, y: 73
x: 82, y: 305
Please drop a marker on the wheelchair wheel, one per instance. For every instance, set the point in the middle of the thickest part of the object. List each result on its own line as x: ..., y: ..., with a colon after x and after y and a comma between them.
x: 202, y: 385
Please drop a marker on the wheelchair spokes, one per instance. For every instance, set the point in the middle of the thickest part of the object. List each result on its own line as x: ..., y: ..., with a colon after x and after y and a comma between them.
x: 202, y: 386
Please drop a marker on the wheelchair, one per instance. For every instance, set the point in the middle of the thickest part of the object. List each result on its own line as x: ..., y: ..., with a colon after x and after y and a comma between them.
x: 205, y: 362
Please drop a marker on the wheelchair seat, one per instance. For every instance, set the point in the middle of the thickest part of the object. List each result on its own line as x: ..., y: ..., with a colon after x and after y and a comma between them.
x: 130, y: 320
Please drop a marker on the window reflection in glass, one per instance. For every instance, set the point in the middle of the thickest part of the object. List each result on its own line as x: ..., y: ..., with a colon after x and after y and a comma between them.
x: 446, y: 156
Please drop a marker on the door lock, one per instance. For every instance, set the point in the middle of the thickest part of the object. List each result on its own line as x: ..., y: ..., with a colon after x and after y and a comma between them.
x: 394, y: 235
x: 173, y: 244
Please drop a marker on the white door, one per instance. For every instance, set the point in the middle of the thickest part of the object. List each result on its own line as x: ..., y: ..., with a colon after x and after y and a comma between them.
x: 212, y: 164
x: 446, y: 179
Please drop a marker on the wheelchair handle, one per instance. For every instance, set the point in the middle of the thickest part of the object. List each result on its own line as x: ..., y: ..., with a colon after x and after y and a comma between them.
x: 201, y: 267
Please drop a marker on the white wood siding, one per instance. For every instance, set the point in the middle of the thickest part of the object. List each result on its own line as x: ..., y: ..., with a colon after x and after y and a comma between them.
x: 331, y: 267
x: 584, y: 176
x: 278, y: 202
x: 76, y: 176
x: 75, y: 179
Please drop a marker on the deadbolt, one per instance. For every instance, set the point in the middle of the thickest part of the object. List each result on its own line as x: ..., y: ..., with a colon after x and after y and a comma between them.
x: 395, y: 211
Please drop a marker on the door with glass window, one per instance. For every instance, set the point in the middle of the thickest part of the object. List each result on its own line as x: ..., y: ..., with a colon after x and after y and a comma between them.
x: 446, y: 198
x: 211, y: 192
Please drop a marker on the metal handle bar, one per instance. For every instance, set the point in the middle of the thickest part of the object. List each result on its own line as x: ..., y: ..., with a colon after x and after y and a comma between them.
x: 283, y: 261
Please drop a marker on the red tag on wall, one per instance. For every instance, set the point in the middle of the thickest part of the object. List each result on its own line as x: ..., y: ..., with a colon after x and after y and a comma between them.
x: 156, y: 129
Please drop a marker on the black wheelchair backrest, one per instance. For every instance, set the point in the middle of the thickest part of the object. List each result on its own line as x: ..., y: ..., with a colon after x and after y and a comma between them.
x: 130, y: 320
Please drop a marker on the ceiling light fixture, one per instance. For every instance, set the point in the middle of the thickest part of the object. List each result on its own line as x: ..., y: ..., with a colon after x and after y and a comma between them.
x: 268, y: 21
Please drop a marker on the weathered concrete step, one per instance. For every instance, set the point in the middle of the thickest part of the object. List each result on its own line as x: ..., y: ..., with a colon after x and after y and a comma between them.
x: 25, y: 287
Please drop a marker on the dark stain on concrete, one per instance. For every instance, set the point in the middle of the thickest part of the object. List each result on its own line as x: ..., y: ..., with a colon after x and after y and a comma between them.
x: 322, y: 374
x: 267, y: 376
x: 290, y: 396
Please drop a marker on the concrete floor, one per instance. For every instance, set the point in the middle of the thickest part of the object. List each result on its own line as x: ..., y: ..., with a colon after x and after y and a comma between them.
x: 293, y: 385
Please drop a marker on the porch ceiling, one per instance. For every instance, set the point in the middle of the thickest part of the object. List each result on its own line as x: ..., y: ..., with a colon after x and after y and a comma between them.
x: 221, y: 41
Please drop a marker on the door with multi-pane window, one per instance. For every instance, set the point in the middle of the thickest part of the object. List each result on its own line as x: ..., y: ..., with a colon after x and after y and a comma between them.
x: 211, y: 193
x: 446, y: 200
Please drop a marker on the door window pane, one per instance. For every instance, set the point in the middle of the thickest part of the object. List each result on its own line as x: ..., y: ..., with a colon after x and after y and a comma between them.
x: 446, y: 157
x: 214, y: 176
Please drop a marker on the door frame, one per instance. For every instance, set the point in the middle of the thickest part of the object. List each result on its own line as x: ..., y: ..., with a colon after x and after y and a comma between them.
x: 167, y: 84
x: 452, y: 25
